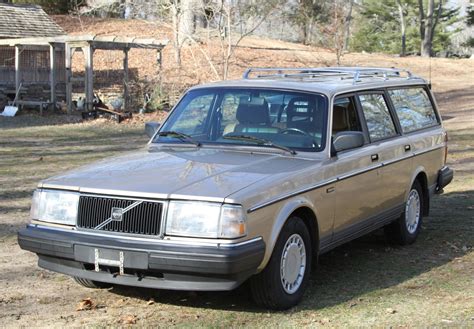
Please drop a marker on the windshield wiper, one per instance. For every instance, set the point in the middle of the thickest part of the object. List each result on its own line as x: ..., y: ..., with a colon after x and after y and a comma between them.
x: 260, y: 141
x: 181, y: 136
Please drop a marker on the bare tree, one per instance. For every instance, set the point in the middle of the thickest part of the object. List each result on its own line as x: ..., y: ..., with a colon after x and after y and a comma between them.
x: 227, y: 22
x: 334, y: 31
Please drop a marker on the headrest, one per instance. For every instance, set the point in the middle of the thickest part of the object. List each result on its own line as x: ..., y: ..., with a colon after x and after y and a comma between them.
x: 253, y: 111
x: 299, y: 106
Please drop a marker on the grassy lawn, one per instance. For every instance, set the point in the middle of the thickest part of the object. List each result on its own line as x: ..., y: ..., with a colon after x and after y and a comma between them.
x: 364, y: 283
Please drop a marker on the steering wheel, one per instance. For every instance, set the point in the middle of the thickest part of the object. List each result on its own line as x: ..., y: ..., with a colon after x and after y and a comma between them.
x: 296, y: 130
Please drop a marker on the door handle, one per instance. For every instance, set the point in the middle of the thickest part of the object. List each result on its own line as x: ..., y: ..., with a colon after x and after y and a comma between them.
x: 374, y: 157
x: 407, y: 147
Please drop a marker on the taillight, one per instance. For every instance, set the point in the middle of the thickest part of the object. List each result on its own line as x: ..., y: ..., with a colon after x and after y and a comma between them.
x: 446, y: 146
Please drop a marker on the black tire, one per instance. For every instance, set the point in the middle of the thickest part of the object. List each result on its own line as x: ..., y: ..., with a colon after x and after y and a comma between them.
x: 267, y: 287
x: 92, y: 284
x: 398, y: 232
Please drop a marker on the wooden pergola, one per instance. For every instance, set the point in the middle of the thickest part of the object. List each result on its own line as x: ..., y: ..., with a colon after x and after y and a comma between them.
x: 87, y: 44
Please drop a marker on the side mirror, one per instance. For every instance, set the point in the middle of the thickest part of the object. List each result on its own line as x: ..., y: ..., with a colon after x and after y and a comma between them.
x: 346, y: 140
x: 151, y: 128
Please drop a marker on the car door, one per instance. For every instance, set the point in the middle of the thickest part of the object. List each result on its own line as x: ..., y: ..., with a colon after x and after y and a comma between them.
x: 391, y: 149
x: 358, y: 175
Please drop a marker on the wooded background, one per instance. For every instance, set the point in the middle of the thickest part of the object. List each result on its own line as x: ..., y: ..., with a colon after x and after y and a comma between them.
x: 406, y: 27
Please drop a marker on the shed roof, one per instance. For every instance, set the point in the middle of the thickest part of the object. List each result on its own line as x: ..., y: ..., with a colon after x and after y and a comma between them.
x: 96, y: 41
x: 21, y: 21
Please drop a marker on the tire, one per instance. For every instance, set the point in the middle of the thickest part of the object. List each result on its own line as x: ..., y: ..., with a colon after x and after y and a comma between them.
x: 405, y: 229
x: 267, y: 287
x: 92, y: 284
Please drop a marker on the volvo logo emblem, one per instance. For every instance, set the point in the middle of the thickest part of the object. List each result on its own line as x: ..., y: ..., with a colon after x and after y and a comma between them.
x: 117, y: 214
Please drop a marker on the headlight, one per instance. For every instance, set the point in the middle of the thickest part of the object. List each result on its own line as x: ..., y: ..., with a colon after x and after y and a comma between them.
x: 55, y: 207
x: 206, y: 220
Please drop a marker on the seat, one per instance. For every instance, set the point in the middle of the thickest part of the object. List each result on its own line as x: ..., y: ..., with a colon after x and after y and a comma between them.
x: 301, y: 114
x: 253, y: 117
x: 339, y: 119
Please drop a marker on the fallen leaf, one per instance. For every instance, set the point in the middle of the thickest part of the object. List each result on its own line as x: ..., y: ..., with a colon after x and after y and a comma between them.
x: 151, y: 301
x: 85, y: 305
x: 390, y: 311
x: 128, y: 319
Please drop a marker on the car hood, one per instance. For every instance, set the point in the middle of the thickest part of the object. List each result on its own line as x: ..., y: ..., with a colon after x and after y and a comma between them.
x: 198, y: 174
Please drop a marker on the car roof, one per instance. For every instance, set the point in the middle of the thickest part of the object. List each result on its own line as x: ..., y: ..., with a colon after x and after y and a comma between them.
x: 328, y: 80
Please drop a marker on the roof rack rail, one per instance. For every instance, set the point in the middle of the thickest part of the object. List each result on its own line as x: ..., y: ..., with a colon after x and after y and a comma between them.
x: 357, y: 74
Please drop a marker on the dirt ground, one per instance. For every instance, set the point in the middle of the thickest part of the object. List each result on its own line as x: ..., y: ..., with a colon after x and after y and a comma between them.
x: 364, y: 283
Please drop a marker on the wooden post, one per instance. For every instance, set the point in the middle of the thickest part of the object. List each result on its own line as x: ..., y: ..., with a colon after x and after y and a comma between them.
x: 68, y: 58
x: 89, y: 56
x: 125, y: 80
x: 17, y: 70
x: 52, y: 73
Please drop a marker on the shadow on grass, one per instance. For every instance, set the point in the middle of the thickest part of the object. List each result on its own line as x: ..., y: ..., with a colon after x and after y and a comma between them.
x: 362, y: 266
x: 29, y: 119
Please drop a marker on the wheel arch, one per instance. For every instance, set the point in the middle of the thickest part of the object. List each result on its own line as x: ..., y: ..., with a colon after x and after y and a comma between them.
x: 420, y: 176
x: 303, y: 208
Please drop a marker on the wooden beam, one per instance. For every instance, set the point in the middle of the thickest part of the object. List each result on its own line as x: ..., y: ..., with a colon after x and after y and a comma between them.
x: 68, y: 61
x: 89, y: 57
x: 17, y: 69
x: 52, y: 73
x: 125, y: 80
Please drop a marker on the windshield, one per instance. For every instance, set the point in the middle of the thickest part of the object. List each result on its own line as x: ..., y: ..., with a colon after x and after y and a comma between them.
x: 280, y: 119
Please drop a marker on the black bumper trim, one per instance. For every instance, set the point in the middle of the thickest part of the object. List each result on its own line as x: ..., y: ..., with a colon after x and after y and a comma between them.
x: 67, y: 246
x: 445, y: 176
x: 167, y: 281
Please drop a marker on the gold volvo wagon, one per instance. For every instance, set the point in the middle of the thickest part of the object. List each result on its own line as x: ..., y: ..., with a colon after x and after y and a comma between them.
x: 250, y: 180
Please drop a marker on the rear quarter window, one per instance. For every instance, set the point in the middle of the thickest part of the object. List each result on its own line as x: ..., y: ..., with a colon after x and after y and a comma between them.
x: 414, y: 108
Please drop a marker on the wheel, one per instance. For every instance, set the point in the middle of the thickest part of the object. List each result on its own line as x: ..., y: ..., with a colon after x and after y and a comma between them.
x: 283, y: 281
x: 92, y: 284
x: 294, y: 130
x: 405, y: 230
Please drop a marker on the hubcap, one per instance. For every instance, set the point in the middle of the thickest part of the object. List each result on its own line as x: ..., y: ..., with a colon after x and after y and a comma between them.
x: 412, y: 211
x: 293, y: 263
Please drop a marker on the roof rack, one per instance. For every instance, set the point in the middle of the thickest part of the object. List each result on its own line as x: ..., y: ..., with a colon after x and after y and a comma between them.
x: 357, y: 74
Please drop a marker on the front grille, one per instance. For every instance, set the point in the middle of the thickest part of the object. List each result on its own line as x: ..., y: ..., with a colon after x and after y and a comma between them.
x: 144, y: 218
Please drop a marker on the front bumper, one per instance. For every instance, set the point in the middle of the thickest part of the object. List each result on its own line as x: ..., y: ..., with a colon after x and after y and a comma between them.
x: 146, y: 262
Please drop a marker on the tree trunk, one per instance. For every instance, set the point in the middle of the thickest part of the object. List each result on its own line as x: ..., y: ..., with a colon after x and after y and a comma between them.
x: 186, y: 23
x: 421, y: 16
x: 176, y: 35
x: 426, y: 40
x: 403, y: 28
x: 347, y: 25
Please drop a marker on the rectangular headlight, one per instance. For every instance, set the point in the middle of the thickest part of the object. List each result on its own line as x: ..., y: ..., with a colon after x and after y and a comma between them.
x: 205, y: 220
x: 52, y: 206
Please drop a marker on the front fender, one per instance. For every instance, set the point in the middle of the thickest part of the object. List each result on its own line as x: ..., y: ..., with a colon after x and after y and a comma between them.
x: 282, y: 216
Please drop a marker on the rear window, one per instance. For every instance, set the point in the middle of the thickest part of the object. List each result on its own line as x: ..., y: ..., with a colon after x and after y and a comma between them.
x: 414, y: 108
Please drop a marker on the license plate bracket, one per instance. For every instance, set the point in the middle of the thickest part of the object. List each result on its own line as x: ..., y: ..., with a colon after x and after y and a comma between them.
x: 122, y: 259
x: 98, y: 260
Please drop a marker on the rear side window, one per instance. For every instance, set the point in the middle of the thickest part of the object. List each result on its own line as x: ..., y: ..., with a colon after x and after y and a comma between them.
x: 379, y: 121
x: 414, y: 108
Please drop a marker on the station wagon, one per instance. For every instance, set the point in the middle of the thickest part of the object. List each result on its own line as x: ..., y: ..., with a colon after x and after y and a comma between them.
x: 250, y: 179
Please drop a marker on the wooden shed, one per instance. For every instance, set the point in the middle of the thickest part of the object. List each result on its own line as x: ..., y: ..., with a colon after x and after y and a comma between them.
x: 28, y: 65
x: 36, y: 58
